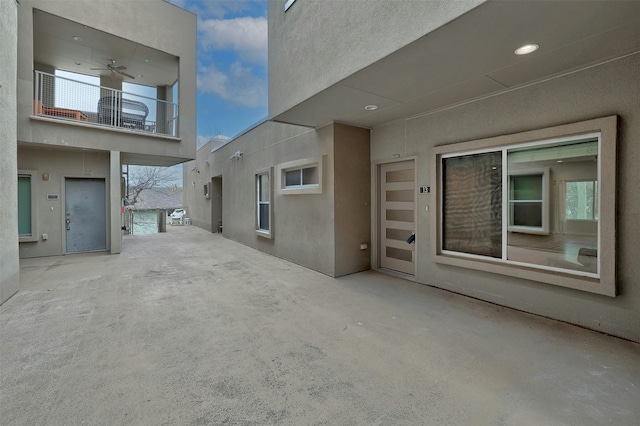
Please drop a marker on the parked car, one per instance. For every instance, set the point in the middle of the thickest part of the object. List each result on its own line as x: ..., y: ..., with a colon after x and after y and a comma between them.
x: 178, y: 213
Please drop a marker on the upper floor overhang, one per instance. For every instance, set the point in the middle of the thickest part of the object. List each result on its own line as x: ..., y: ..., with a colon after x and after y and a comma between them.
x: 63, y: 44
x: 473, y: 57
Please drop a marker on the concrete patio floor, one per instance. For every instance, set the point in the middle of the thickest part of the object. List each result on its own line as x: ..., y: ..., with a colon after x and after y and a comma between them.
x: 188, y: 328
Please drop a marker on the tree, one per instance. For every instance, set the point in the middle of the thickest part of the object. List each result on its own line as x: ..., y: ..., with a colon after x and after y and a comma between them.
x: 140, y: 178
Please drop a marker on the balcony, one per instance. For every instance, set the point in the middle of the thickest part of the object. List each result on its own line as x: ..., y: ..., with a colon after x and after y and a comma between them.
x: 70, y: 100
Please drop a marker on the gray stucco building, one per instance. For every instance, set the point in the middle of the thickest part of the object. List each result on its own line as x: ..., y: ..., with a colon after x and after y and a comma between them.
x: 96, y: 87
x: 515, y: 173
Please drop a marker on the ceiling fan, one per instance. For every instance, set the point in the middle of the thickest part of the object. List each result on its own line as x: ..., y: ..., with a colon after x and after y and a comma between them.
x: 111, y: 66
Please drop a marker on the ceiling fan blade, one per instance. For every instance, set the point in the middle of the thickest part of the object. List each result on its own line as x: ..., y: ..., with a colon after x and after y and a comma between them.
x: 120, y: 68
x: 127, y: 75
x: 99, y: 69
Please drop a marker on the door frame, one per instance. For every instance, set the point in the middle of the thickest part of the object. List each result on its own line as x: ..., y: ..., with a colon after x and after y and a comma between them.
x: 376, y: 223
x: 216, y: 203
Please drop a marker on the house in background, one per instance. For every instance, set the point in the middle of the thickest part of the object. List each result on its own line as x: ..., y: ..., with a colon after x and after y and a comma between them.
x: 98, y: 86
x: 142, y: 217
x: 418, y: 139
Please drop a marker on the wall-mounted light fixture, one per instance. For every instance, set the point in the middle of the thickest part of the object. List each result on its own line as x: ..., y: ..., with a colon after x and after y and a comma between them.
x: 45, y: 176
x: 236, y: 155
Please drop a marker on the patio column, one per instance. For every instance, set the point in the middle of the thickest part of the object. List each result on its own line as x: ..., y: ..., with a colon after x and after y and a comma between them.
x: 115, y: 202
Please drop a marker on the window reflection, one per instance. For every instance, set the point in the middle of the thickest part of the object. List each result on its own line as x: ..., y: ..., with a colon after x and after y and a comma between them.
x: 571, y: 238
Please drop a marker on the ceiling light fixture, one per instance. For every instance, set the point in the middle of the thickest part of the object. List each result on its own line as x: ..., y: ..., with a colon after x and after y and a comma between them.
x: 140, y: 75
x: 77, y: 63
x: 371, y: 107
x: 77, y: 38
x: 147, y: 60
x: 526, y: 49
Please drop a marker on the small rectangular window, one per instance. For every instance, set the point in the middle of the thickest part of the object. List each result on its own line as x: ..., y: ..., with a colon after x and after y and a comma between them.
x: 263, y: 204
x: 300, y: 176
x: 24, y: 206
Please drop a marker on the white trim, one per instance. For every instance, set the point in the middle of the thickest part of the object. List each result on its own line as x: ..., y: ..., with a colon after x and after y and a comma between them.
x: 265, y: 233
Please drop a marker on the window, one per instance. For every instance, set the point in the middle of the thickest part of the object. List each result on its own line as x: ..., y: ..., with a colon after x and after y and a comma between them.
x: 529, y: 201
x: 581, y: 200
x: 263, y: 204
x: 27, y: 223
x: 24, y: 206
x: 506, y: 202
x: 301, y: 176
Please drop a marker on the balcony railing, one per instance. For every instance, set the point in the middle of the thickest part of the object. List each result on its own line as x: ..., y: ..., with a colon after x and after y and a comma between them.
x: 72, y: 100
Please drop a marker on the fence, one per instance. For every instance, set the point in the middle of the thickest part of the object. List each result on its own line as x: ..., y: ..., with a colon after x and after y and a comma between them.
x: 67, y: 99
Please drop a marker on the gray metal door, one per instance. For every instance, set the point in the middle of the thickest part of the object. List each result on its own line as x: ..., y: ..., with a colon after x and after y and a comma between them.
x: 85, y: 215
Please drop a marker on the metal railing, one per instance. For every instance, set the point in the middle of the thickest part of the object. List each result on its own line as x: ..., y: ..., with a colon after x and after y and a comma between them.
x: 73, y: 100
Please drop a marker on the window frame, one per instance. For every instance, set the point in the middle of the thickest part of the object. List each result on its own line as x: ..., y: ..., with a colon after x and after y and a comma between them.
x: 265, y: 233
x: 602, y: 283
x: 545, y: 205
x: 34, y: 223
x: 301, y: 164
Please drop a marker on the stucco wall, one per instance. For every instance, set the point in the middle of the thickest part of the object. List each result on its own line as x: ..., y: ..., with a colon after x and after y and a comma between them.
x: 58, y: 164
x: 9, y: 264
x: 322, y: 231
x: 352, y: 202
x: 600, y: 91
x: 302, y: 225
x: 311, y: 32
x: 196, y: 174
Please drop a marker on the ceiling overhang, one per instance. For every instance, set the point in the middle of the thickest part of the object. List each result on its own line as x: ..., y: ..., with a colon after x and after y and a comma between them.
x: 473, y: 57
x: 70, y: 46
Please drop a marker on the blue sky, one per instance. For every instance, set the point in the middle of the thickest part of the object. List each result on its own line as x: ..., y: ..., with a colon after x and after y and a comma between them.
x: 232, y: 65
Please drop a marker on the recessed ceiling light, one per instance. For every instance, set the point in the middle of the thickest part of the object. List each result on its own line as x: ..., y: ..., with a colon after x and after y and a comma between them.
x: 559, y: 161
x: 140, y: 75
x: 147, y: 60
x: 526, y: 49
x: 371, y: 107
x: 77, y: 38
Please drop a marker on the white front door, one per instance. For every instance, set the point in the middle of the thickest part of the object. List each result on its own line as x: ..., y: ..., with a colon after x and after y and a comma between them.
x: 397, y: 216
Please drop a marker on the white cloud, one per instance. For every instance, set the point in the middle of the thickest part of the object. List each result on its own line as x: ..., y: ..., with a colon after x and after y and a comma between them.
x: 246, y: 36
x: 240, y: 86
